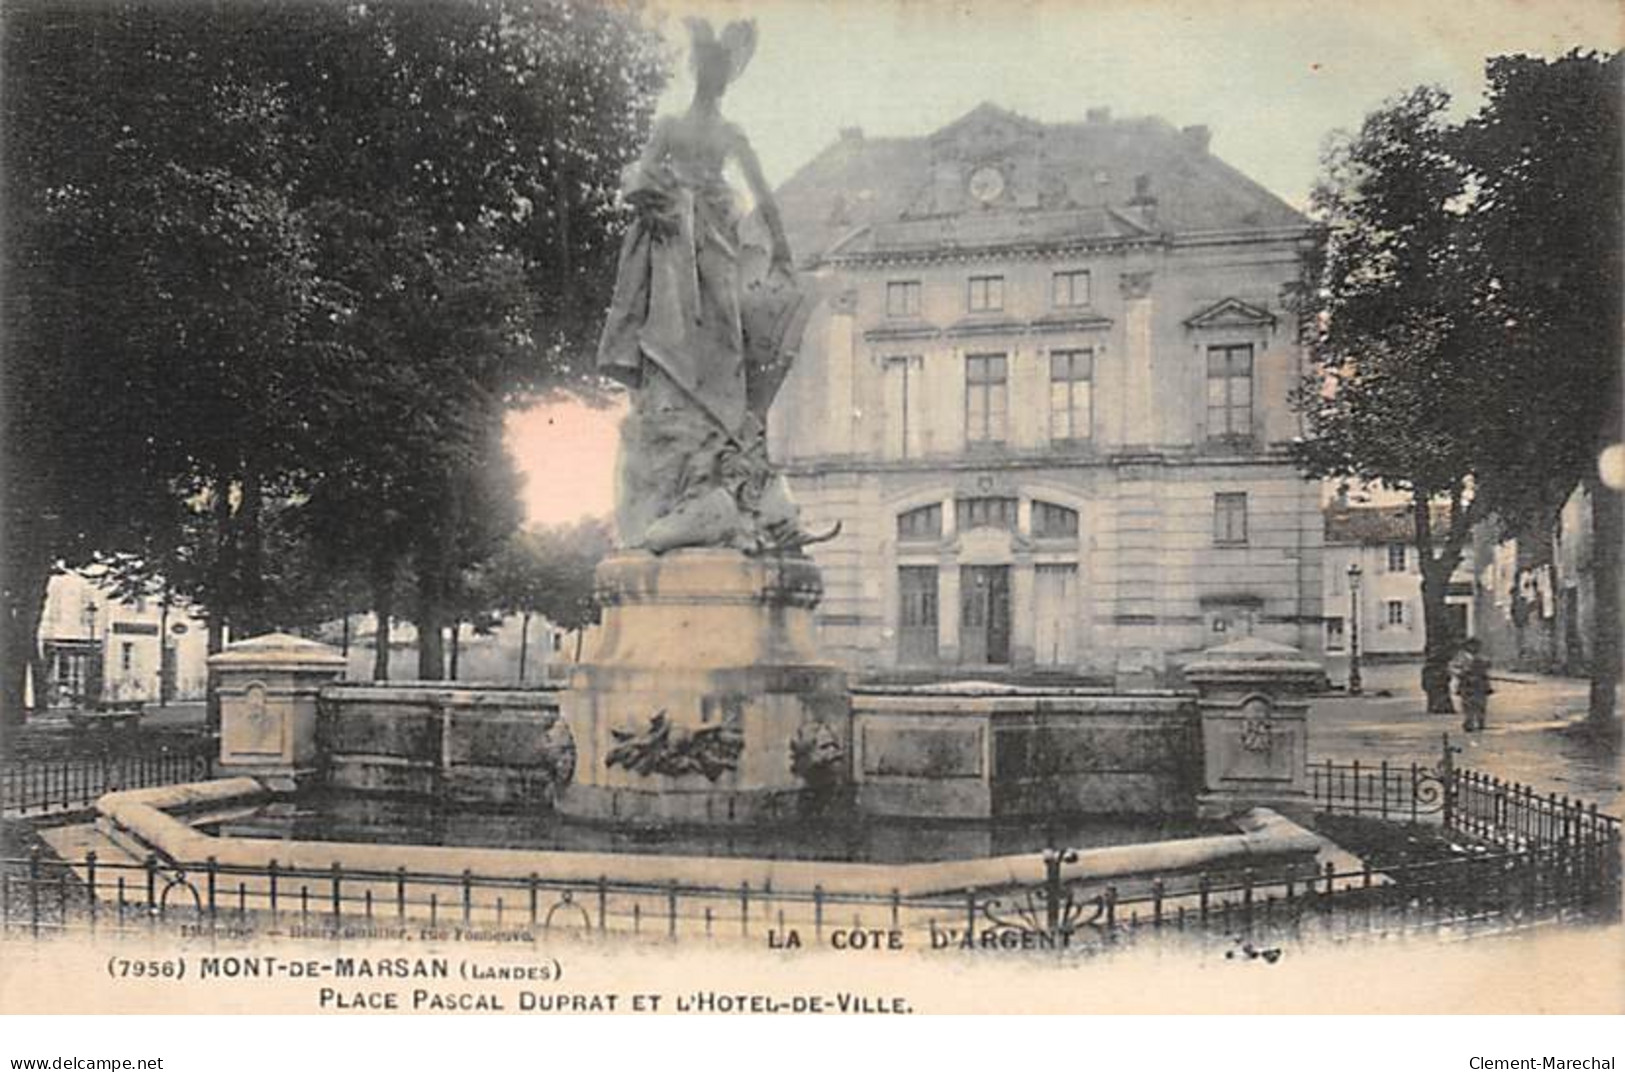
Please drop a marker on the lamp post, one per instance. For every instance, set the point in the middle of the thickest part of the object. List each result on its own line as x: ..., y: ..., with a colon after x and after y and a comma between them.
x: 1355, y: 686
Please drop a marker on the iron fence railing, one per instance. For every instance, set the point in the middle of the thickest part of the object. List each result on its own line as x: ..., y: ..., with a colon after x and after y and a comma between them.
x: 1500, y: 886
x: 40, y: 785
x: 1520, y: 857
x: 1471, y: 803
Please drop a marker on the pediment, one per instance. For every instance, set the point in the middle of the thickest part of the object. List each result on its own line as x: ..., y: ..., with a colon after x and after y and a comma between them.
x: 1232, y: 313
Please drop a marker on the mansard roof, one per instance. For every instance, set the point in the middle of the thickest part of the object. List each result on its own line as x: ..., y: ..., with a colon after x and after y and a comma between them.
x: 1102, y: 181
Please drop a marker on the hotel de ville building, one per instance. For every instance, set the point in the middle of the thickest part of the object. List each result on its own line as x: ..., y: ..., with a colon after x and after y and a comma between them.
x: 1048, y: 400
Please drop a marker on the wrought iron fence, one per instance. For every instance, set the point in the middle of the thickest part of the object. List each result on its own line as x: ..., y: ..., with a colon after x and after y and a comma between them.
x: 1523, y: 857
x: 1500, y: 886
x: 41, y: 785
x: 1471, y: 803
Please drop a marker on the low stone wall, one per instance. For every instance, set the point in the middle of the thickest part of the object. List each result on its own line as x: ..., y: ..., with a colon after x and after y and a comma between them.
x: 471, y: 744
x: 947, y: 752
x: 992, y: 751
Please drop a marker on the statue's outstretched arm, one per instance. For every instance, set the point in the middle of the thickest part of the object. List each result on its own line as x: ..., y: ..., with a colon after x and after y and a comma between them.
x: 765, y: 203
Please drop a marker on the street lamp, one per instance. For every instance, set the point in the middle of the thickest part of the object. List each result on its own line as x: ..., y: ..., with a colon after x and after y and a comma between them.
x: 1355, y: 688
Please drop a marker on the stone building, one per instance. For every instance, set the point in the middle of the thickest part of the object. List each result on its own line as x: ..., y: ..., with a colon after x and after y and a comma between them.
x: 1381, y: 540
x: 96, y: 647
x: 1048, y: 400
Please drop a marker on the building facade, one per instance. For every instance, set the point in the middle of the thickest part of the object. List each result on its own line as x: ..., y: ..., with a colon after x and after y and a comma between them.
x: 97, y: 648
x: 1048, y: 400
x: 1381, y: 541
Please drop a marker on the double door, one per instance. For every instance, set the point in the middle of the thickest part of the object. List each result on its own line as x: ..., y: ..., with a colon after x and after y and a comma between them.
x: 984, y: 615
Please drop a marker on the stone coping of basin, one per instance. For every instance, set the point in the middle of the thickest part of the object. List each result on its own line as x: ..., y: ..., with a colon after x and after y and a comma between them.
x: 1026, y: 704
x: 146, y: 815
x: 467, y: 692
x: 999, y: 688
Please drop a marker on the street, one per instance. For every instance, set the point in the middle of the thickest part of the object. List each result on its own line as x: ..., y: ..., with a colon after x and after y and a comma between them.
x: 1530, y: 737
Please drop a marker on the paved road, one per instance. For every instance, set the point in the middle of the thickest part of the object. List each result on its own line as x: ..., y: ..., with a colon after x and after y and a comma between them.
x: 1530, y: 737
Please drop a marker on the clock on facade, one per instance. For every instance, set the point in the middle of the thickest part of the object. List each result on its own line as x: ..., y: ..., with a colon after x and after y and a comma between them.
x: 986, y: 184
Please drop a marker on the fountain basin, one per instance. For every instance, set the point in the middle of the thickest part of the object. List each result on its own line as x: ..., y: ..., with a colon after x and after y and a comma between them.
x: 164, y: 821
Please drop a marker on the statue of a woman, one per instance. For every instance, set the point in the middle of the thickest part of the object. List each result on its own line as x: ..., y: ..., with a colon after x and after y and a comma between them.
x: 698, y: 329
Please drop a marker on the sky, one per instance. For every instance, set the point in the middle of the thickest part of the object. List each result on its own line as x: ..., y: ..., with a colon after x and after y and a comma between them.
x: 1271, y: 78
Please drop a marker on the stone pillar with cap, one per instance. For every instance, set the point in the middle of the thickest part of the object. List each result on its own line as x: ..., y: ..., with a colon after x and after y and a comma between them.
x: 1254, y: 700
x: 268, y: 688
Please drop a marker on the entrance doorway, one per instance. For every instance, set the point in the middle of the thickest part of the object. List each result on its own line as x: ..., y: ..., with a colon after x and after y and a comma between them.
x: 984, y: 615
x: 917, y: 615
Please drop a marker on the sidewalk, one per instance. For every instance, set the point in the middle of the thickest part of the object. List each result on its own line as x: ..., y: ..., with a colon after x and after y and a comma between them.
x: 1525, y: 740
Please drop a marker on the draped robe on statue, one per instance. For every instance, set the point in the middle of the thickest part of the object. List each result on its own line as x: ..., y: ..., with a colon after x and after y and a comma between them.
x: 705, y: 354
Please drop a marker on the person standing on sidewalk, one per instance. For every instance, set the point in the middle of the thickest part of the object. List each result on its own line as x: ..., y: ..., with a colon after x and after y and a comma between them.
x: 1472, y: 672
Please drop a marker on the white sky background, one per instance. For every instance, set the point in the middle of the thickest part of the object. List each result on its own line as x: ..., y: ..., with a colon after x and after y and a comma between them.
x: 1271, y: 78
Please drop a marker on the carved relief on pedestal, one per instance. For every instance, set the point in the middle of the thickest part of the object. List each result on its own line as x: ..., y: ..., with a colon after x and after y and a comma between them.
x: 664, y: 748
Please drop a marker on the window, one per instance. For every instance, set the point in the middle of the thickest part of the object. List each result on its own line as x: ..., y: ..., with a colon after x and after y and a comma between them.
x: 903, y: 298
x: 924, y: 523
x: 1070, y: 289
x: 1071, y: 395
x: 1052, y: 520
x: 1230, y: 392
x: 1230, y: 517
x: 984, y: 398
x: 1396, y: 558
x: 986, y: 294
x: 126, y: 657
x: 907, y: 372
x: 1334, y: 634
x: 989, y: 513
x: 1396, y: 611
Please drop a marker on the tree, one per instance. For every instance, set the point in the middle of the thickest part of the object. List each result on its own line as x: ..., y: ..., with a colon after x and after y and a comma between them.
x: 1545, y: 156
x: 549, y: 572
x: 1399, y: 395
x: 301, y: 257
x: 1468, y: 336
x: 156, y: 278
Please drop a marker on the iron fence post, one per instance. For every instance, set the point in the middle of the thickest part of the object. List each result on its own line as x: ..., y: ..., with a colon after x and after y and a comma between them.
x: 33, y: 886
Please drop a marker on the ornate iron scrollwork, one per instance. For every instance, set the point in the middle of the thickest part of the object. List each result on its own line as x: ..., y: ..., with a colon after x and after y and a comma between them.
x: 1052, y: 910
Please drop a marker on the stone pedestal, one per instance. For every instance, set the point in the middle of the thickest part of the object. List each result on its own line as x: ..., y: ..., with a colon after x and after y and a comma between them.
x: 706, y: 701
x: 268, y: 689
x: 1254, y: 704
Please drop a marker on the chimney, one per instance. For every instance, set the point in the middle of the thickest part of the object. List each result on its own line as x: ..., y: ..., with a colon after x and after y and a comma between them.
x: 1144, y: 199
x: 1198, y: 136
x: 1099, y: 115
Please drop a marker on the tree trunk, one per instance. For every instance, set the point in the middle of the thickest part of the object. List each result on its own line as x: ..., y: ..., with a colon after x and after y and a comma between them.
x: 1607, y: 529
x: 383, y: 608
x: 1439, y: 643
x: 250, y: 611
x: 220, y: 593
x: 24, y: 610
x: 216, y: 644
x: 524, y: 643
x: 431, y: 628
